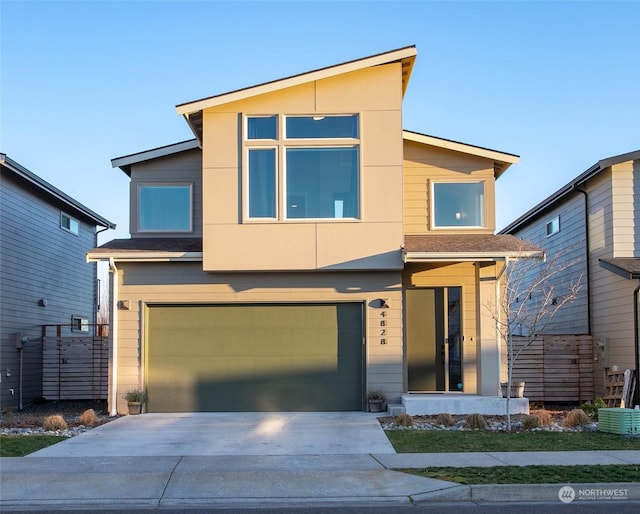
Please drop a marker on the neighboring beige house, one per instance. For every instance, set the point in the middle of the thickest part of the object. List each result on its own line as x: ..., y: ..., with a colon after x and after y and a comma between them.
x: 303, y: 250
x: 594, y: 221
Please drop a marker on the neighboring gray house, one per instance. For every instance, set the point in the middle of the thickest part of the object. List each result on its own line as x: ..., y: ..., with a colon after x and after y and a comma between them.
x: 44, y: 276
x: 594, y: 221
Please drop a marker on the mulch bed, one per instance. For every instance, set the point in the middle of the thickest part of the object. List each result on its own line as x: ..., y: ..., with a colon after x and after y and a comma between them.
x: 32, y: 415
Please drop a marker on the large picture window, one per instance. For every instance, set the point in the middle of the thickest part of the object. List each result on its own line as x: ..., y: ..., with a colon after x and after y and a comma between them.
x: 164, y: 207
x: 458, y: 204
x: 312, y: 173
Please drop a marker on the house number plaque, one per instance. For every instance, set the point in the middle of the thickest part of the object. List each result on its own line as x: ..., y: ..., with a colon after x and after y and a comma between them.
x: 383, y: 331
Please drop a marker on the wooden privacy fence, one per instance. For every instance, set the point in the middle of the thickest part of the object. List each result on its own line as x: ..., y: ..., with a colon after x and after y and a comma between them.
x: 556, y: 368
x: 75, y: 367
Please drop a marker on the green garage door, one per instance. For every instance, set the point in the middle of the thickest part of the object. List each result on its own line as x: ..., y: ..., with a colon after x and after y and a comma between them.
x: 268, y: 357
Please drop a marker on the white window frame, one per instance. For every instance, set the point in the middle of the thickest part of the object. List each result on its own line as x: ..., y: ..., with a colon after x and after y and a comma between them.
x: 552, y: 226
x: 71, y: 222
x: 142, y: 185
x: 281, y: 144
x: 432, y: 212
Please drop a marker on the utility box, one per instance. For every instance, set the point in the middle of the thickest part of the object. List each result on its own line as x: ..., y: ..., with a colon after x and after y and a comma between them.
x: 619, y: 421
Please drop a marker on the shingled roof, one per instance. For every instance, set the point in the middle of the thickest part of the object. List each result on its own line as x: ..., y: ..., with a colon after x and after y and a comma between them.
x: 467, y: 246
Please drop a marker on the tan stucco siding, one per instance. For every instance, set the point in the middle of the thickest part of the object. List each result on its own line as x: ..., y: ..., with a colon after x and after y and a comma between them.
x: 140, y: 284
x: 612, y: 234
x: 450, y: 275
x: 371, y: 242
x: 183, y: 168
x: 626, y: 195
x: 423, y: 164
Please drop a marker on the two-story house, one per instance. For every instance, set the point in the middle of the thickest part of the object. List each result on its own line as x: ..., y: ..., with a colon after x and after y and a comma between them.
x: 303, y: 250
x: 44, y: 276
x: 593, y: 222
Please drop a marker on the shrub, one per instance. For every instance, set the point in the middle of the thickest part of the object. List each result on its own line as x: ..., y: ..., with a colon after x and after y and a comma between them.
x: 545, y: 417
x: 591, y: 409
x: 576, y: 418
x: 54, y: 422
x: 404, y: 420
x: 134, y: 395
x: 531, y: 422
x: 88, y: 417
x: 476, y: 421
x: 376, y: 394
x: 445, y: 419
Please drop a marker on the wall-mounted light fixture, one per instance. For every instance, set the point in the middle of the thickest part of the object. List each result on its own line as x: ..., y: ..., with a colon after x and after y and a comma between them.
x: 42, y: 302
x: 381, y: 303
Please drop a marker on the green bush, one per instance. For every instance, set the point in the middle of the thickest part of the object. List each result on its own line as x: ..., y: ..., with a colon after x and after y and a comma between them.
x: 591, y: 409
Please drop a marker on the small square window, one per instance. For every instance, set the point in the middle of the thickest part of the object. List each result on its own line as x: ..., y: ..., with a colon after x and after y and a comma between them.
x: 164, y: 207
x: 458, y: 204
x: 69, y: 224
x: 553, y: 226
x: 79, y: 324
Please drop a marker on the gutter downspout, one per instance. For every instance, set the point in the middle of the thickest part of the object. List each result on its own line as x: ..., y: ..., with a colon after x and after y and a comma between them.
x: 588, y: 272
x: 114, y: 336
x: 636, y: 291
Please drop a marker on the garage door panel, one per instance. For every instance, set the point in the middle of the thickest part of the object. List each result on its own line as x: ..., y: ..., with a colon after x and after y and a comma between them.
x: 254, y: 357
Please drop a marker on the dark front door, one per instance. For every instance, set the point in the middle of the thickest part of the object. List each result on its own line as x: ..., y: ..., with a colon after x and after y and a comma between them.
x: 434, y: 342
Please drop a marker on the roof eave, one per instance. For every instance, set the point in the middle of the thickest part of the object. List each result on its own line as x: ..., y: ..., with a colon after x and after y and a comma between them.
x: 54, y: 192
x: 145, y: 256
x: 629, y: 275
x: 406, y: 55
x: 470, y: 256
x: 502, y: 160
x: 125, y: 162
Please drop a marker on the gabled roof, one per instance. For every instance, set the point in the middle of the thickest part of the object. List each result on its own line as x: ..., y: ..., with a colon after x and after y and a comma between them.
x: 125, y: 162
x: 501, y: 160
x: 466, y: 247
x: 192, y: 111
x: 571, y: 187
x: 52, y: 193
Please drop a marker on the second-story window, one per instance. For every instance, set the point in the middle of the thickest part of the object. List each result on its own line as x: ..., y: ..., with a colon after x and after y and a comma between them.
x: 164, y: 207
x: 310, y: 173
x: 552, y: 226
x: 458, y: 204
x: 69, y: 224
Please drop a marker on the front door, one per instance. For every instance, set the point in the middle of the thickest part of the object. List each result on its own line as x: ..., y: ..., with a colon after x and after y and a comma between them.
x: 434, y: 341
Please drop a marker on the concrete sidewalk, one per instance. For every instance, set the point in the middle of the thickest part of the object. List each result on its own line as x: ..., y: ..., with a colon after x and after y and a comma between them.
x: 233, y: 480
x: 254, y: 459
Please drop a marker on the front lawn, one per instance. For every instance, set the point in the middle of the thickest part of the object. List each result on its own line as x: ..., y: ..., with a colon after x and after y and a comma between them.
x: 441, y: 441
x: 21, y: 445
x: 532, y: 474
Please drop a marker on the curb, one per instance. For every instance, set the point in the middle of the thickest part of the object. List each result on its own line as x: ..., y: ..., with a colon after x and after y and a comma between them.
x: 513, y: 493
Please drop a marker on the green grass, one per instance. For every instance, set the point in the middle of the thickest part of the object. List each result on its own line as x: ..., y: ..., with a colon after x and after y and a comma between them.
x: 442, y: 441
x: 21, y: 445
x: 532, y: 474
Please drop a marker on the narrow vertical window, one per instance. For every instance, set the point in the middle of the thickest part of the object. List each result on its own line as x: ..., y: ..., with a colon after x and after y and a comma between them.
x: 262, y: 183
x: 553, y: 226
x: 69, y: 224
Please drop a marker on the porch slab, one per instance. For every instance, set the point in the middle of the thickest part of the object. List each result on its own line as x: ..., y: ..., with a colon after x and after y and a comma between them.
x: 417, y: 404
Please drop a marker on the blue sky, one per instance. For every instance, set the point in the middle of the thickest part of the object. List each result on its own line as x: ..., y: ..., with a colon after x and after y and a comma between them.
x: 557, y: 83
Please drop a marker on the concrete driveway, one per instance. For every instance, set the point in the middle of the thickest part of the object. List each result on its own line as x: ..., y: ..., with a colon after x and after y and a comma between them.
x: 243, y: 433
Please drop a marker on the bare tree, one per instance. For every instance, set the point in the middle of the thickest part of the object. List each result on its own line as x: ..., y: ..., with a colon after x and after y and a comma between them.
x: 534, y: 291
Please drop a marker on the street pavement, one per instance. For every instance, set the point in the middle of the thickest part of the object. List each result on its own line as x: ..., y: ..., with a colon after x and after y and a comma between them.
x: 266, y: 459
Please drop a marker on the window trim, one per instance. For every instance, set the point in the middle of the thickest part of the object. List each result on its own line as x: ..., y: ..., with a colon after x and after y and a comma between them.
x: 141, y: 185
x: 79, y: 323
x: 281, y: 144
x: 72, y: 220
x: 550, y: 223
x: 432, y: 209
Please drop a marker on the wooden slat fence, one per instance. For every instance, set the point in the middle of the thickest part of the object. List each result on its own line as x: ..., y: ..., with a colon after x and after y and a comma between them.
x: 556, y: 368
x: 75, y: 368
